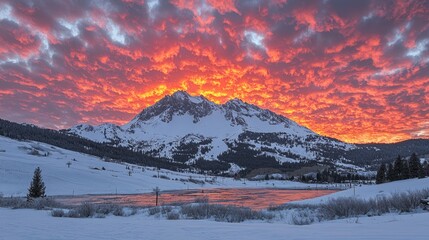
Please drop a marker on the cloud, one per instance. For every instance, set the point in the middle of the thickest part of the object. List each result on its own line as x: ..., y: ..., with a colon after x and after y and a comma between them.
x: 354, y: 70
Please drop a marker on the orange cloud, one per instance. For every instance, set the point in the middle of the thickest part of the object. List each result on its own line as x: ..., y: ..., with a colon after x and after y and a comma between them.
x: 357, y: 71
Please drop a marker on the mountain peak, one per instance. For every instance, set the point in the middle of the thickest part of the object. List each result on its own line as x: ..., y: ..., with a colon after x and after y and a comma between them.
x: 185, y: 96
x: 181, y: 94
x: 179, y: 103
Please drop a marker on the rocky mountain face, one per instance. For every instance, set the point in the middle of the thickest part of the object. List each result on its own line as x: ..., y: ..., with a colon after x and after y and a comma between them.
x: 189, y: 129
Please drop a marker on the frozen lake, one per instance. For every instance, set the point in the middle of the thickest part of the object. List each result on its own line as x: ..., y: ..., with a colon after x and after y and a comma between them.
x: 256, y: 199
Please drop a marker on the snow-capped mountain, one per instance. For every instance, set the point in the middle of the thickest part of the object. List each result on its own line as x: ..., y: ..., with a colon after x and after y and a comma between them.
x: 186, y: 128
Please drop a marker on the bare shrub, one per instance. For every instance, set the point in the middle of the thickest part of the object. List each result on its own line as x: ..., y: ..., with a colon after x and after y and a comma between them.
x: 166, y: 209
x: 154, y: 210
x: 351, y: 207
x: 223, y: 213
x: 13, y: 202
x: 382, y: 205
x: 408, y: 201
x: 288, y: 206
x: 302, y: 217
x: 107, y: 209
x: 118, y: 211
x: 173, y: 216
x: 85, y: 210
x: 57, y: 213
x: 73, y: 213
x: 36, y: 203
x: 195, y: 211
x: 130, y: 211
x: 44, y: 203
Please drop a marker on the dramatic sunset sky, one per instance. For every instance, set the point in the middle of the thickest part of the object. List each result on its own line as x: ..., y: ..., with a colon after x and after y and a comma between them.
x: 354, y: 70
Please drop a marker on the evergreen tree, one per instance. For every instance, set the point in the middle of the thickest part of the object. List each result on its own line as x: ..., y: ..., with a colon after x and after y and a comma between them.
x: 421, y: 173
x: 381, y: 174
x: 426, y: 168
x: 37, y: 186
x: 415, y: 166
x: 405, y: 174
x: 397, y: 169
x: 389, y: 175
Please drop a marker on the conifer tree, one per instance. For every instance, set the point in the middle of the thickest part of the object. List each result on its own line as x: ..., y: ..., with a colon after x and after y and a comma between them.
x: 37, y: 186
x: 405, y: 174
x: 415, y: 166
x: 381, y: 174
x: 397, y: 169
x: 421, y: 172
x: 389, y: 175
x: 425, y: 167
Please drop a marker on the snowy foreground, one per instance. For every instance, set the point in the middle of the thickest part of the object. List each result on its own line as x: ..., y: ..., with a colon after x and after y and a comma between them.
x: 85, y: 175
x: 33, y: 224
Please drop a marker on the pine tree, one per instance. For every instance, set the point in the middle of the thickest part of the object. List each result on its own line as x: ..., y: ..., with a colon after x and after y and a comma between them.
x: 405, y: 174
x: 381, y: 174
x: 425, y: 167
x: 37, y: 186
x: 421, y: 172
x: 415, y: 166
x: 389, y: 175
x: 397, y: 169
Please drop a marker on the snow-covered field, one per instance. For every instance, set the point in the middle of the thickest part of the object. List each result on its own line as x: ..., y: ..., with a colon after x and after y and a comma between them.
x: 372, y: 191
x: 33, y: 224
x: 85, y: 175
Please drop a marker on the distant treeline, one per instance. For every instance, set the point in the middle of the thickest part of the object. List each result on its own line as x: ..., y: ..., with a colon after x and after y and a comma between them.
x: 78, y: 144
x: 402, y: 169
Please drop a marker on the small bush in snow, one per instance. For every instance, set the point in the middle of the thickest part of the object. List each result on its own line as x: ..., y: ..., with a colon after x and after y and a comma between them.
x: 166, y: 209
x: 38, y: 203
x: 44, y: 203
x: 154, y: 210
x: 58, y: 213
x: 344, y: 207
x: 173, y: 216
x: 303, y: 217
x: 406, y: 202
x: 223, y: 213
x: 107, y: 209
x: 72, y: 214
x: 292, y: 206
x: 118, y: 211
x: 195, y: 211
x: 85, y: 210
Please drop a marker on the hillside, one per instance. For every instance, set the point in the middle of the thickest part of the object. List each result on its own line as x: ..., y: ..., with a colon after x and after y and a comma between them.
x: 91, y: 175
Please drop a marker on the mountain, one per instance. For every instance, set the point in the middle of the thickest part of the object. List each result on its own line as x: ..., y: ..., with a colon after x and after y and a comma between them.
x: 187, y: 129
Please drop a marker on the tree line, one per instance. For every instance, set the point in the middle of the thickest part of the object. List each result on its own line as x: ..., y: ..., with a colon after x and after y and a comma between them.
x: 402, y: 169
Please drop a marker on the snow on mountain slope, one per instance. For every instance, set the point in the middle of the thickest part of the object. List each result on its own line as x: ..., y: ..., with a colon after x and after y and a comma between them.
x: 18, y: 159
x: 161, y: 129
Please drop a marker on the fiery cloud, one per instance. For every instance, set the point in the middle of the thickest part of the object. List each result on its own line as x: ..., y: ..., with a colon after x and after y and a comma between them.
x: 354, y: 70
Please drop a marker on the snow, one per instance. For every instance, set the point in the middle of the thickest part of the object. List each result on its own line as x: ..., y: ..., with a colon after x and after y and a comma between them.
x: 222, y: 123
x: 17, y: 167
x: 234, y: 168
x: 372, y: 191
x: 36, y: 225
x: 348, y: 165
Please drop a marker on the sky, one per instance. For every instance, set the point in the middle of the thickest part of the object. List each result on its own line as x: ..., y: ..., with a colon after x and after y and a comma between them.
x: 353, y: 70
